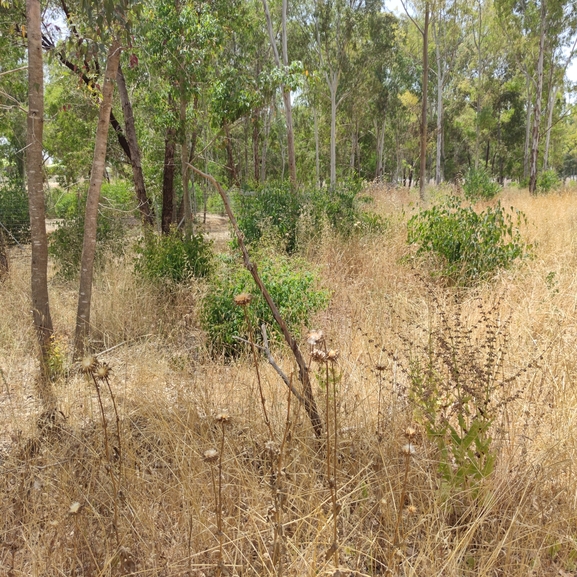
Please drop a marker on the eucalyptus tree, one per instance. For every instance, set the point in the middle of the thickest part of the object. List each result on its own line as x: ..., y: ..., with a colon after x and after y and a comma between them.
x: 540, y: 28
x: 283, y: 60
x: 179, y: 41
x: 78, y: 51
x: 414, y: 12
x: 335, y: 27
x: 34, y: 173
x: 447, y: 32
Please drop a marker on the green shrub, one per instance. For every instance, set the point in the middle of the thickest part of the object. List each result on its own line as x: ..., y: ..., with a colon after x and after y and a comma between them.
x: 479, y: 186
x: 548, y: 181
x: 65, y: 243
x: 273, y: 209
x: 281, y: 211
x: 119, y: 195
x: 14, y: 211
x: 62, y: 204
x: 175, y: 257
x: 291, y: 284
x: 469, y: 245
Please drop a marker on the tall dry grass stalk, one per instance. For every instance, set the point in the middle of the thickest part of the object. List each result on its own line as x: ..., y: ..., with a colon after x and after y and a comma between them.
x: 271, y: 512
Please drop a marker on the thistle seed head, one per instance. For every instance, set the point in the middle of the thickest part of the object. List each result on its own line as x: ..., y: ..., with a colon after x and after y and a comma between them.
x: 210, y: 456
x: 222, y: 417
x: 333, y: 356
x: 410, y: 432
x: 315, y: 337
x: 102, y: 371
x: 243, y: 299
x: 319, y: 356
x: 89, y: 364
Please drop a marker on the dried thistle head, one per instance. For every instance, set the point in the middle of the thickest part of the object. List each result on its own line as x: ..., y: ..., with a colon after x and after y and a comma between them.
x: 271, y: 447
x: 88, y: 364
x: 314, y: 337
x: 408, y: 450
x: 319, y: 356
x: 223, y: 417
x: 242, y: 299
x: 103, y: 371
x: 210, y: 456
x: 333, y: 356
x: 410, y: 432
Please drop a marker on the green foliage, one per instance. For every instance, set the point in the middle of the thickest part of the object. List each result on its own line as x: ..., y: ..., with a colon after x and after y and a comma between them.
x: 14, y: 211
x: 65, y: 243
x: 548, y: 181
x: 479, y: 186
x: 293, y: 215
x: 291, y: 284
x: 468, y: 245
x: 175, y: 257
x: 275, y: 208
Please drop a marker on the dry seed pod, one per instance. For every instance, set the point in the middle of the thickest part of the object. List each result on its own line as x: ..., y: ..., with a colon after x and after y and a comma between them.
x: 210, y: 456
x: 333, y: 356
x: 243, y: 299
x: 315, y: 337
x: 319, y: 356
x: 410, y: 432
x: 103, y: 371
x: 89, y: 364
x: 409, y: 449
x: 222, y: 417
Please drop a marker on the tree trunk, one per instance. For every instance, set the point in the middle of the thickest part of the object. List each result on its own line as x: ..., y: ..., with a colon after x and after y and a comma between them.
x: 423, y: 167
x: 230, y: 165
x: 168, y: 181
x: 527, y: 130
x: 91, y: 214
x: 144, y: 204
x: 333, y: 86
x: 255, y: 144
x: 184, y: 157
x: 285, y: 89
x: 265, y: 144
x: 380, y: 137
x: 34, y: 162
x: 440, y: 112
x: 317, y: 147
x: 551, y: 106
x: 537, y: 112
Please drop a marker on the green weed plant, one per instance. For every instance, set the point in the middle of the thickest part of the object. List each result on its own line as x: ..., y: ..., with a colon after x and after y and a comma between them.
x: 468, y: 246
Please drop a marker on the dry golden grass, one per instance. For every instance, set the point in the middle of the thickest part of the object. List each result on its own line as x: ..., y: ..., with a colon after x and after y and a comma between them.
x: 60, y: 493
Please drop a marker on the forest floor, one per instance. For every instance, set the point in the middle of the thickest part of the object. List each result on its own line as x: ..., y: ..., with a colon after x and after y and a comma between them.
x: 139, y: 493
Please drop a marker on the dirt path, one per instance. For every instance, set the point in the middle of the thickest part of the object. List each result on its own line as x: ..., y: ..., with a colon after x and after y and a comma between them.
x: 216, y: 226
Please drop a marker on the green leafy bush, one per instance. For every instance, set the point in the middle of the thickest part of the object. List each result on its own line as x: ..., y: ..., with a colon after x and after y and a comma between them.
x: 292, y: 215
x: 174, y: 257
x: 65, y: 243
x: 548, y: 181
x: 117, y: 196
x: 291, y: 284
x: 272, y: 209
x: 468, y: 245
x: 479, y: 186
x: 14, y: 211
